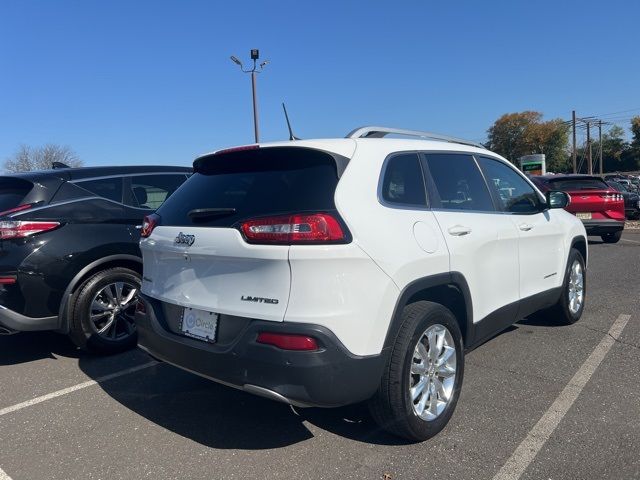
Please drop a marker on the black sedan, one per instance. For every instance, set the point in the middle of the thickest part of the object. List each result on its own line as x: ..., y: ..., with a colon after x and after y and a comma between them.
x: 631, y: 200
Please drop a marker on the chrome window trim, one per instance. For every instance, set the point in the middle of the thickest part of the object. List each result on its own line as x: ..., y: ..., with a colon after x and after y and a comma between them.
x: 75, y: 200
x: 106, y: 177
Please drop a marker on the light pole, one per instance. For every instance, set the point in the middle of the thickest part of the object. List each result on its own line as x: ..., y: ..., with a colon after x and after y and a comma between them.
x: 255, y: 55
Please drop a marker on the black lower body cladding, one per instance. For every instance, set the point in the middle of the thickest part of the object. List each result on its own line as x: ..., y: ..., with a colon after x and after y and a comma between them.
x: 600, y: 227
x: 328, y: 377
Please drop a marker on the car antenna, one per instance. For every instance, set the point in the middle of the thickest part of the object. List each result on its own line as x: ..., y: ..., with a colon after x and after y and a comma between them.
x: 286, y: 116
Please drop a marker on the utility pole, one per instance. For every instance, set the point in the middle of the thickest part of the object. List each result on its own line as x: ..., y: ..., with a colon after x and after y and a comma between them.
x: 589, y: 160
x: 255, y: 55
x: 600, y: 142
x: 573, y: 154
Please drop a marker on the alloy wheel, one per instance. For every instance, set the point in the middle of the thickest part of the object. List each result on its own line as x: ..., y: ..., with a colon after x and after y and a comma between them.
x: 433, y: 372
x: 576, y: 287
x: 112, y: 311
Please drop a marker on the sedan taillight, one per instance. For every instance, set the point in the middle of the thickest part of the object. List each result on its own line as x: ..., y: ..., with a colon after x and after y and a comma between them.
x: 613, y: 197
x: 15, y: 229
x: 294, y: 229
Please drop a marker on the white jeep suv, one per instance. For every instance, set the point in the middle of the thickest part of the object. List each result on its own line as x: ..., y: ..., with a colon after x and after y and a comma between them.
x: 330, y: 272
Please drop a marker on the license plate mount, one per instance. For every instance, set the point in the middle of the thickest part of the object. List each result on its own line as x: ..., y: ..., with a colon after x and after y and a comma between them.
x: 199, y: 324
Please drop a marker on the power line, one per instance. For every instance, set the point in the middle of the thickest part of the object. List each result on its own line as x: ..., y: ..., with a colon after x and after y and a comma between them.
x: 615, y: 113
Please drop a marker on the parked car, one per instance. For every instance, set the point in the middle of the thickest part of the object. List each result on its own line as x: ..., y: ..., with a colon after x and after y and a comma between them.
x: 627, y: 184
x: 628, y: 181
x: 329, y: 272
x: 599, y: 206
x: 69, y: 249
x: 631, y: 200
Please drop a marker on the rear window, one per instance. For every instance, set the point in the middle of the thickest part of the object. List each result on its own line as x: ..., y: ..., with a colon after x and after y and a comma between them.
x: 569, y: 184
x: 253, y: 183
x: 12, y: 192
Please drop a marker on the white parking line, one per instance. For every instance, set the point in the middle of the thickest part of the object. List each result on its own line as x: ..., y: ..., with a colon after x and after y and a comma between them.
x: 64, y: 391
x: 540, y: 433
x: 4, y: 476
x: 630, y: 241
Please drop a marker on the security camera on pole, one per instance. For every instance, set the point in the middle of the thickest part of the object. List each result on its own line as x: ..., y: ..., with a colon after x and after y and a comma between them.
x: 255, y: 55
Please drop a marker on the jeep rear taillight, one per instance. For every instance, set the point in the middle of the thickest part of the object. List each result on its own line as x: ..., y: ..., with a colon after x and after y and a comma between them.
x: 293, y: 229
x: 13, y: 229
x: 148, y: 224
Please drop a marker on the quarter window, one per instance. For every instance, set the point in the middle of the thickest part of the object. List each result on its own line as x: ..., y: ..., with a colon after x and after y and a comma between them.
x: 403, y: 183
x: 514, y: 193
x: 109, y: 188
x: 458, y: 182
x: 150, y: 191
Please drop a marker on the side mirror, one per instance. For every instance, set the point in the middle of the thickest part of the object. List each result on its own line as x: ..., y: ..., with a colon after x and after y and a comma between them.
x: 557, y: 199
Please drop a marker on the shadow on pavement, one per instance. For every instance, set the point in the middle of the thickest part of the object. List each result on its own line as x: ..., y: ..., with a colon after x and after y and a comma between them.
x: 541, y: 319
x: 222, y: 417
x: 29, y: 346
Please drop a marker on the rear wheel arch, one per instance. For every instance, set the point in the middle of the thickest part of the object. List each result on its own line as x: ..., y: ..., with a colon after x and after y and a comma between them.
x: 447, y: 289
x: 111, y: 261
x: 580, y: 244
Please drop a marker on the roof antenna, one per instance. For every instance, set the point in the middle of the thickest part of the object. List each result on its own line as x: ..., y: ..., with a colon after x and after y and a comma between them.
x: 286, y: 116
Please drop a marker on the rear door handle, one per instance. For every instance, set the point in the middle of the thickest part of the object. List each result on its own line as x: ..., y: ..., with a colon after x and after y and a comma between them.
x: 525, y: 227
x: 459, y: 230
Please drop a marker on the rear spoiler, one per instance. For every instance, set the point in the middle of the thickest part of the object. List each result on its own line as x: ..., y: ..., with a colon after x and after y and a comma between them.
x: 222, y: 160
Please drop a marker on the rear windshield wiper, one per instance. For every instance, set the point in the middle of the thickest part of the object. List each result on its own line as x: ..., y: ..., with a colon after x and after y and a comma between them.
x: 199, y: 213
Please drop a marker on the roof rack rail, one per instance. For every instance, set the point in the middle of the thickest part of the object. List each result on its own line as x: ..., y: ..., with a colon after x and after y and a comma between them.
x: 379, y: 132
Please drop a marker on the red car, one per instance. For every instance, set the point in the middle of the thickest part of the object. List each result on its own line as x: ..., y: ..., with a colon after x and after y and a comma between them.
x: 599, y: 206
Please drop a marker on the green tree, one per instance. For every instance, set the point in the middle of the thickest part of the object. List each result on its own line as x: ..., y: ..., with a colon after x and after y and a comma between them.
x: 635, y: 130
x: 617, y: 154
x: 524, y: 133
x: 631, y: 156
x: 613, y: 148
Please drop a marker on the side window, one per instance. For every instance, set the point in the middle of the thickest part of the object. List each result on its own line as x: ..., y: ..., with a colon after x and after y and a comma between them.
x: 150, y: 191
x: 458, y: 182
x: 515, y: 194
x: 403, y: 183
x: 109, y: 188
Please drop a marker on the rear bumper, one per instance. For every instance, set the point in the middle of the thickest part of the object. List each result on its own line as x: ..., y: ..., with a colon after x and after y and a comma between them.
x: 15, y: 322
x: 601, y: 227
x: 329, y: 377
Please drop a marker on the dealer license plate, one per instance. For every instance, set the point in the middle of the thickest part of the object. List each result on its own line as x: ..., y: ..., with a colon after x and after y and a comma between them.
x: 199, y: 324
x: 584, y: 215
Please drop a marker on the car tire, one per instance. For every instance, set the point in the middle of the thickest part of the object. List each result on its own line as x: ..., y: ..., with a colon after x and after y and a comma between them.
x: 107, y: 296
x: 396, y: 404
x: 564, y: 312
x: 612, y: 237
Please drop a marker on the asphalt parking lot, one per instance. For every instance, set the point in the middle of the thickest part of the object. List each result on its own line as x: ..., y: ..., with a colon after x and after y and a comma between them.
x: 538, y: 401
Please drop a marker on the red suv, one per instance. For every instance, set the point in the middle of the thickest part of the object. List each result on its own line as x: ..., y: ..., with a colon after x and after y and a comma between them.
x: 599, y: 206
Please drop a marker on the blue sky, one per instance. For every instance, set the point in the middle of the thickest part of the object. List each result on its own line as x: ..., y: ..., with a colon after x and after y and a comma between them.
x: 128, y: 82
